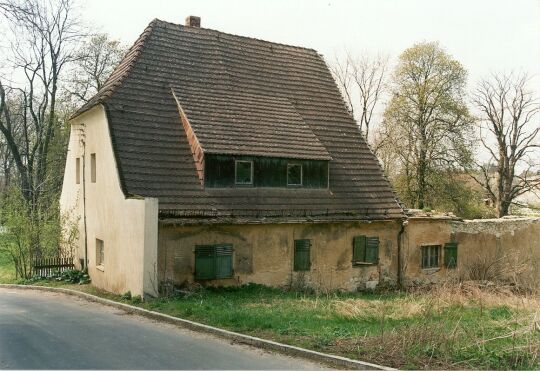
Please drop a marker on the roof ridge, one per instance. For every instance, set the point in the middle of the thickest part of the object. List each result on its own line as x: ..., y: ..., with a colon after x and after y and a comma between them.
x: 235, y: 35
x: 120, y: 72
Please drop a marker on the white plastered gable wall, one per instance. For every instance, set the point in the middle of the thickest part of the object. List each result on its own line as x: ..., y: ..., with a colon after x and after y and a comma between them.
x: 128, y: 227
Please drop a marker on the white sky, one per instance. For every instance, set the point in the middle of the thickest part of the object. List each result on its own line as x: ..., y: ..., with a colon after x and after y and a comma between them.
x: 485, y: 35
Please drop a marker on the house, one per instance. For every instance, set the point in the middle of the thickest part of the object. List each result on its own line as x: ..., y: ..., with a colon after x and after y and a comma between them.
x: 531, y: 197
x: 224, y: 159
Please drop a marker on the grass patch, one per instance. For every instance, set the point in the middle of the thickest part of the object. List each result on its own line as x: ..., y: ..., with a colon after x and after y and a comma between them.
x: 449, y: 327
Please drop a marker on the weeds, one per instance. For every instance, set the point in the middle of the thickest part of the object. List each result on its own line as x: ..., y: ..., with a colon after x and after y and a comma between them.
x: 454, y: 325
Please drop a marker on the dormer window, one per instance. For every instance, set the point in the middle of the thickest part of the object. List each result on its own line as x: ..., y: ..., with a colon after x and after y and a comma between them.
x: 243, y: 172
x: 294, y: 175
x: 229, y: 171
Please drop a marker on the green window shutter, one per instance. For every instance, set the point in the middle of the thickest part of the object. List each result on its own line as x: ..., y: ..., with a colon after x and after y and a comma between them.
x: 359, y: 249
x: 372, y: 250
x: 450, y: 255
x: 302, y: 261
x: 224, y: 268
x: 205, y: 262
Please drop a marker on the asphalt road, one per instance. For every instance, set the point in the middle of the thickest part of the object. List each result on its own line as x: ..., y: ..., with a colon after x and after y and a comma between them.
x: 41, y: 330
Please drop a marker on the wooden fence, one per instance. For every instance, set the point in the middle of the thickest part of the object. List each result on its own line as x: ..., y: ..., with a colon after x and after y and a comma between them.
x: 45, y: 267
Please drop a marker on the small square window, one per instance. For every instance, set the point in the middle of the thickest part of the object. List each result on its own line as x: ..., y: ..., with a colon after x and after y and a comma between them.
x: 93, y: 167
x: 78, y: 170
x: 244, y: 172
x: 294, y: 174
x: 100, y: 253
x: 430, y: 256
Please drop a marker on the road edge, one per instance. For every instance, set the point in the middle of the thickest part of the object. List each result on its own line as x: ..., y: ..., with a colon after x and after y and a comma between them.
x: 226, y: 334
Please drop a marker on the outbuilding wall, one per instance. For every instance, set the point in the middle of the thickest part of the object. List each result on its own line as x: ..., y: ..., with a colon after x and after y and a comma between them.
x: 265, y: 253
x: 507, y: 248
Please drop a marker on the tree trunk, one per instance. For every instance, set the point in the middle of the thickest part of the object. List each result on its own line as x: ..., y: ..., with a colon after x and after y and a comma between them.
x: 422, y: 186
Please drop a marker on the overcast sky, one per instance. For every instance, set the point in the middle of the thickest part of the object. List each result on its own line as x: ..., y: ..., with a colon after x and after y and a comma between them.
x: 486, y: 36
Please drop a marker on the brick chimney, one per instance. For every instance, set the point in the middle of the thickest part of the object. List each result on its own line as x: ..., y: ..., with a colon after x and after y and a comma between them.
x: 193, y: 21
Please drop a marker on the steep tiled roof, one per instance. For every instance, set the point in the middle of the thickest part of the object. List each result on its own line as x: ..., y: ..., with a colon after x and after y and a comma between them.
x: 233, y: 122
x: 225, y: 81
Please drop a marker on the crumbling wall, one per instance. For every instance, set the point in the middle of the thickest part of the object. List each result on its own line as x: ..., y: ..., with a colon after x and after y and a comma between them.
x: 265, y: 253
x: 506, y: 249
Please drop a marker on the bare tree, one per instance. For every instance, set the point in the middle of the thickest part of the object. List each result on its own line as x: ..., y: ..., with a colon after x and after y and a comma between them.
x: 44, y: 40
x: 45, y: 37
x: 95, y: 62
x: 509, y: 134
x: 362, y: 82
x: 5, y: 166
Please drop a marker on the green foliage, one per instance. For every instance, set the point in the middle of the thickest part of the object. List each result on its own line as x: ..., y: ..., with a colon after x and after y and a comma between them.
x: 34, y: 229
x: 134, y: 299
x: 73, y: 276
x: 405, y: 330
x: 7, y: 270
x: 427, y: 128
x: 449, y: 191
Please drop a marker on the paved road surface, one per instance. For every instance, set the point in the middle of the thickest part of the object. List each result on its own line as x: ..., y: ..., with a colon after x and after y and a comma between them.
x: 41, y: 330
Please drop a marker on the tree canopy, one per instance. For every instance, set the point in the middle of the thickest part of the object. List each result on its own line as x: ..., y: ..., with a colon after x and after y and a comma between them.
x: 427, y: 127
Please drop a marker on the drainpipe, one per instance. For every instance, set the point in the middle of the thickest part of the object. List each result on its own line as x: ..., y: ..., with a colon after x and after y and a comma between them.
x: 83, y: 142
x: 404, y: 222
x: 84, y: 213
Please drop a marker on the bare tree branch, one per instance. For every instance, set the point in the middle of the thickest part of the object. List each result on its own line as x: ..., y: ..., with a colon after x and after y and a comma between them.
x: 508, y: 111
x: 362, y: 81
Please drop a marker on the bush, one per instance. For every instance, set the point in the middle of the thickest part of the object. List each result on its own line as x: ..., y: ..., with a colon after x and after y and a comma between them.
x: 74, y: 276
x: 34, y: 231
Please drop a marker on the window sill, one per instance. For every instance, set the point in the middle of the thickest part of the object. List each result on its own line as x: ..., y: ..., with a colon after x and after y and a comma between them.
x: 100, y: 268
x: 363, y: 264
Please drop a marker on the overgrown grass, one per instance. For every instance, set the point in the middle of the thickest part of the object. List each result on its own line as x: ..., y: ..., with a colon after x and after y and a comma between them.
x: 448, y: 327
x: 465, y: 325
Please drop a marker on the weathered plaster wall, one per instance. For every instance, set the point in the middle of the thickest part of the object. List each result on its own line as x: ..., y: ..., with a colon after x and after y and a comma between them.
x: 264, y: 253
x: 128, y: 227
x: 510, y: 245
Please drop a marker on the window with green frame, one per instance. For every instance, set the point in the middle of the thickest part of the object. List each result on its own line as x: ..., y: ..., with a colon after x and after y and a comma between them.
x: 430, y: 256
x: 294, y: 174
x: 365, y: 250
x: 302, y: 258
x: 213, y: 261
x: 229, y: 171
x: 243, y: 172
x: 450, y: 255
